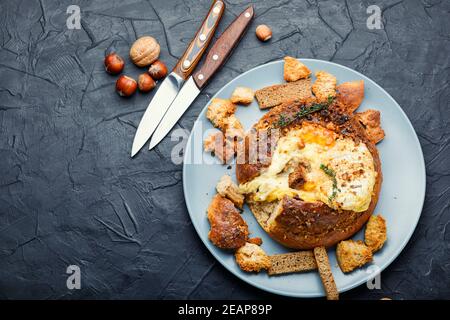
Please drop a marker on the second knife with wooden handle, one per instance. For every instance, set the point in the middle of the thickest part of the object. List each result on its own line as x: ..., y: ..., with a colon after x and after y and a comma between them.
x: 217, y: 55
x: 171, y: 86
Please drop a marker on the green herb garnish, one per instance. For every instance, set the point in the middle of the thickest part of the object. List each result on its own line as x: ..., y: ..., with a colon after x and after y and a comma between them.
x: 283, y: 121
x: 304, y: 111
x: 330, y: 172
x: 330, y: 100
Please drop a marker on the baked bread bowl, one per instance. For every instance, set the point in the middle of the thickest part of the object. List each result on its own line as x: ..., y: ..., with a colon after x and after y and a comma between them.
x: 338, y: 207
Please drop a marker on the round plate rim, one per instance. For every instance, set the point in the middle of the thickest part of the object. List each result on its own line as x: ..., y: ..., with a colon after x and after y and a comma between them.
x: 345, y: 288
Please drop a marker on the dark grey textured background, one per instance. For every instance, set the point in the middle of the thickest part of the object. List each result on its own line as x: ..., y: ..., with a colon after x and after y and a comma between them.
x: 70, y: 194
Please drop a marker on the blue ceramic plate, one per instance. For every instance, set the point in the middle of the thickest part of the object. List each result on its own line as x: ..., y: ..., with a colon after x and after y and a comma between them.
x: 401, y: 199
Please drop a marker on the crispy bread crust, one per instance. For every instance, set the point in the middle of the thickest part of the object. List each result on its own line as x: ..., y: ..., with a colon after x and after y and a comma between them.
x: 302, y: 225
x: 349, y: 95
x: 375, y: 235
x: 228, y: 229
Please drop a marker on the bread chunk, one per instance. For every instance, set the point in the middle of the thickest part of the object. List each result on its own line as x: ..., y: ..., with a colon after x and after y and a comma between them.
x: 376, y: 234
x: 324, y: 86
x: 228, y: 189
x: 323, y: 264
x: 252, y: 258
x: 371, y: 121
x: 233, y: 127
x: 218, y: 112
x: 242, y: 95
x: 292, y: 262
x: 275, y: 95
x: 209, y: 144
x: 224, y: 145
x: 223, y: 148
x: 295, y: 70
x: 352, y: 254
x: 228, y: 229
x: 349, y: 95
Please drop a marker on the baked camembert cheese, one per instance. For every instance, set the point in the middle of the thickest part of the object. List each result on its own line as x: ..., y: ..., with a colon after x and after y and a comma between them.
x: 338, y: 171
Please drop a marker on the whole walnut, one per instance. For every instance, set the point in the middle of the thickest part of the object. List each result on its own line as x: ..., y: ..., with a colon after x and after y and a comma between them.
x: 144, y: 51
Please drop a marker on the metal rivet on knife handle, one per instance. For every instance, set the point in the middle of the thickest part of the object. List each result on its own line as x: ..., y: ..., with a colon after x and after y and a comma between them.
x: 197, y: 47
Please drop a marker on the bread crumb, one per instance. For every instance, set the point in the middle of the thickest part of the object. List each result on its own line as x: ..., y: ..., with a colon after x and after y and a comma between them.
x: 242, y: 95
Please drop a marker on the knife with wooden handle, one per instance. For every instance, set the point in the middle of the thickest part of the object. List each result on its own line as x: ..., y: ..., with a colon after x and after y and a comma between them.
x: 217, y: 55
x: 171, y: 86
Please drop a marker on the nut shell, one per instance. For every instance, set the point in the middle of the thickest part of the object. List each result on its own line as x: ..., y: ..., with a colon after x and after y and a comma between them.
x: 144, y: 51
x: 263, y: 32
x: 157, y: 70
x: 114, y: 63
x: 126, y: 86
x: 146, y: 83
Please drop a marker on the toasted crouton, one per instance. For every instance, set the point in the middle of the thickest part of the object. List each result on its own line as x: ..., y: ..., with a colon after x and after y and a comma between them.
x: 228, y: 189
x: 225, y: 152
x: 371, y: 121
x: 275, y: 95
x: 349, y: 95
x: 218, y: 111
x: 209, y: 144
x: 324, y: 86
x: 223, y: 148
x: 352, y: 254
x: 252, y: 258
x: 233, y: 127
x: 221, y: 114
x: 375, y: 234
x: 224, y: 144
x: 295, y: 70
x: 299, y: 261
x: 323, y: 264
x: 242, y: 95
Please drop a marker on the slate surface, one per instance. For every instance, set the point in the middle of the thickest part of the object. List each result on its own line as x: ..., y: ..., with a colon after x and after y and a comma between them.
x: 70, y: 194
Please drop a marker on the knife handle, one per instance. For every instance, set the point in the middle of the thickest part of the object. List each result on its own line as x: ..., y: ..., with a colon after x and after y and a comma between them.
x: 203, y: 37
x: 223, y: 47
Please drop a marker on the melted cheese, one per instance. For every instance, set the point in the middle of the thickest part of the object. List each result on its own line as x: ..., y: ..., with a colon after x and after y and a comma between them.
x: 313, y: 146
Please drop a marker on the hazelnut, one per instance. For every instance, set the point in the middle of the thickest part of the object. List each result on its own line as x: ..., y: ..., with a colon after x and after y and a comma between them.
x: 263, y: 32
x: 146, y: 83
x: 144, y: 51
x: 157, y: 70
x: 126, y: 86
x: 114, y: 63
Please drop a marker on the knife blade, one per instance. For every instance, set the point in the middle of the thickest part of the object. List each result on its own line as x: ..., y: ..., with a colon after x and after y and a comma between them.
x: 173, y: 83
x: 217, y: 55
